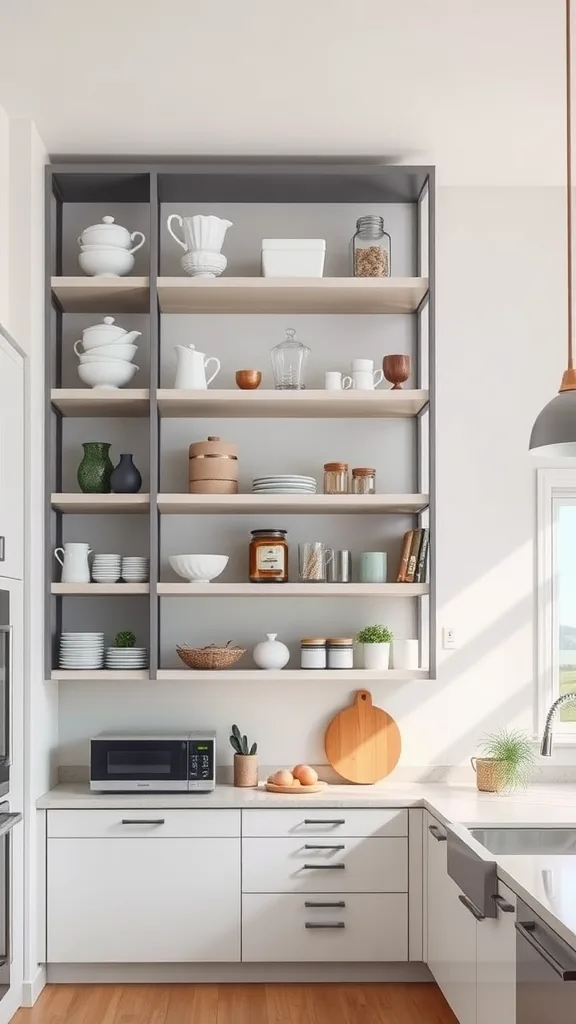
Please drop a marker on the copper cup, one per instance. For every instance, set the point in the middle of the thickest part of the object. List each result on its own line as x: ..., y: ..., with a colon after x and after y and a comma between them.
x: 396, y: 370
x: 248, y: 380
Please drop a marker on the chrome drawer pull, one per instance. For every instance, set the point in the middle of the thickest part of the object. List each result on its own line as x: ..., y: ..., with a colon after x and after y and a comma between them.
x: 324, y: 821
x: 503, y: 904
x: 143, y: 821
x: 324, y: 867
x: 315, y: 846
x: 438, y: 835
x: 336, y: 924
x: 316, y: 903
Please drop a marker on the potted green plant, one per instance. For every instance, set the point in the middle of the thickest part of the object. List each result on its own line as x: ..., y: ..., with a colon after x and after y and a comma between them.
x: 245, y: 759
x: 375, y: 641
x: 506, y: 761
x: 125, y: 638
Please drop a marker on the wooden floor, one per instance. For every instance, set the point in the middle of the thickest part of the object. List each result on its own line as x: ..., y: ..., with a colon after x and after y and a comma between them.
x: 239, y: 1004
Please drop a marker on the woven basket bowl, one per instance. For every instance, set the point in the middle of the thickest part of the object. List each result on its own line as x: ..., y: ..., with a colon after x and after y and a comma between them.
x: 210, y: 657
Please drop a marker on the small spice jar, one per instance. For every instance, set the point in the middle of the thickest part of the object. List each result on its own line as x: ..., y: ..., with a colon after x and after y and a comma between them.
x: 363, y: 480
x: 268, y: 556
x: 336, y: 478
x: 371, y: 247
x: 340, y: 652
x: 313, y: 652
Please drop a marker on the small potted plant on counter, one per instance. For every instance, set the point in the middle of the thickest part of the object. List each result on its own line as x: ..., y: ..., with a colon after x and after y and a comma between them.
x: 506, y: 761
x: 245, y: 759
x: 375, y: 641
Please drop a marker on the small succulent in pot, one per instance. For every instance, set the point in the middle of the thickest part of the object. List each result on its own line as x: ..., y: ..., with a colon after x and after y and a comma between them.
x: 506, y: 761
x: 376, y: 642
x: 125, y: 638
x: 245, y: 759
x: 375, y: 635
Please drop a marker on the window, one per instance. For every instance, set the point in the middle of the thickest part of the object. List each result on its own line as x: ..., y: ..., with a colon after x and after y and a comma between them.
x: 556, y: 603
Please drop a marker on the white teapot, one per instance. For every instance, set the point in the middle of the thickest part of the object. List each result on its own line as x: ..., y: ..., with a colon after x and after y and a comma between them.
x: 106, y: 333
x: 191, y: 368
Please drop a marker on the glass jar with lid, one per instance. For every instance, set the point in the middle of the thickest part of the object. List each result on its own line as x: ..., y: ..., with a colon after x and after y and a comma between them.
x: 289, y: 360
x: 371, y: 248
x: 268, y: 556
x: 340, y: 652
x: 336, y: 478
x: 363, y: 480
x: 313, y: 652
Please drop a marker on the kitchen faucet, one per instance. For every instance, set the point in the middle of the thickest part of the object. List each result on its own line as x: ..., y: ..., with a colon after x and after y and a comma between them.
x: 546, y: 744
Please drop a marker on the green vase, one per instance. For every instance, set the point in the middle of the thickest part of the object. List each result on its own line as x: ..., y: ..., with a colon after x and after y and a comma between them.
x: 95, y: 470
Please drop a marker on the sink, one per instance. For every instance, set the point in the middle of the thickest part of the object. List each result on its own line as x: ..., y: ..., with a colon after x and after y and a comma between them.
x: 528, y: 841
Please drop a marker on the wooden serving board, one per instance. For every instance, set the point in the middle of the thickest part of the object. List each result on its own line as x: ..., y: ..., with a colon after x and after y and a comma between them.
x: 295, y: 790
x: 363, y: 742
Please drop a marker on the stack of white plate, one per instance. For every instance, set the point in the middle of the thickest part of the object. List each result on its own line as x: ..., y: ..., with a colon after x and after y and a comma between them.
x: 284, y: 484
x: 81, y: 650
x: 135, y: 569
x: 106, y: 568
x: 121, y: 658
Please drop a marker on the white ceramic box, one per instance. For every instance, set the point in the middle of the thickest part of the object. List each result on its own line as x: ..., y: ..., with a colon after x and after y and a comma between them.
x: 293, y: 257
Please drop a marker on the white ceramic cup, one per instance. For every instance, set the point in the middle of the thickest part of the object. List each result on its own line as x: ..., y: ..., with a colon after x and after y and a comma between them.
x: 405, y: 654
x: 366, y: 380
x: 74, y: 562
x: 363, y: 364
x: 334, y: 381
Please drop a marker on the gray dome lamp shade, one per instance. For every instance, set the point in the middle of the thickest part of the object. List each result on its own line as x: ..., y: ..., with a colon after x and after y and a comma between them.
x: 554, y: 432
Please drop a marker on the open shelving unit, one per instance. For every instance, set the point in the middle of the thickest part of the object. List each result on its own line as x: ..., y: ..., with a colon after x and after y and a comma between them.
x: 155, y: 293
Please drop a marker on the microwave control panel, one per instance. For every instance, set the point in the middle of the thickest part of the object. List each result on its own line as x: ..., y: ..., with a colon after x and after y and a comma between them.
x: 201, y: 767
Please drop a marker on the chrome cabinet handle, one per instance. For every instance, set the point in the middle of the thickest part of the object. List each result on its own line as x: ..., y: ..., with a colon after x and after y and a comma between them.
x: 143, y: 821
x: 324, y: 821
x: 335, y: 924
x: 324, y: 867
x: 333, y: 846
x: 438, y: 835
x: 318, y: 903
x: 526, y: 929
x: 2, y: 549
x: 471, y: 907
x: 502, y: 904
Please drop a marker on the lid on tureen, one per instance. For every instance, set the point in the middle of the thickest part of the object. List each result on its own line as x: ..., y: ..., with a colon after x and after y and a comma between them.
x: 108, y: 323
x: 106, y: 222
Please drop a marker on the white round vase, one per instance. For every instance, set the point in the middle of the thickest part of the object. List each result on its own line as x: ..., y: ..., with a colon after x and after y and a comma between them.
x: 271, y: 654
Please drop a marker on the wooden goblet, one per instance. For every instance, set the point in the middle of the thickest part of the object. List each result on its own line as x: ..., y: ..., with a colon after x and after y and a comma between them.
x: 248, y: 380
x: 396, y: 370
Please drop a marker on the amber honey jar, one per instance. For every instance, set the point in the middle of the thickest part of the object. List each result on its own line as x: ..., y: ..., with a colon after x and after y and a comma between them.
x: 268, y: 556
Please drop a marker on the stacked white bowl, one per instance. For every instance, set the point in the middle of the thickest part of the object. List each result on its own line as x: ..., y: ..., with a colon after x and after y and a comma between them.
x: 107, y: 568
x: 106, y: 249
x: 121, y: 658
x: 106, y: 359
x: 135, y: 569
x: 284, y: 483
x: 81, y: 651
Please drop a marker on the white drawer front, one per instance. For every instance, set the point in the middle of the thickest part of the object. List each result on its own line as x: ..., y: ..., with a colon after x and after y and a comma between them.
x: 365, y: 927
x: 132, y: 824
x: 322, y: 865
x: 325, y: 822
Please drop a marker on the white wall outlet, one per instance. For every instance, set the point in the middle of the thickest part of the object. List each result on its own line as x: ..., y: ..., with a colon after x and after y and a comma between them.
x: 448, y: 638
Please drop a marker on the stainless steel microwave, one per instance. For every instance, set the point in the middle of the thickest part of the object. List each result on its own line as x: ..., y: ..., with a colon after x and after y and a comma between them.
x: 160, y: 763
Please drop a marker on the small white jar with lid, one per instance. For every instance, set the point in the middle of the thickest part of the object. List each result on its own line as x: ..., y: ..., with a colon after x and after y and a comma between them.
x: 340, y: 652
x: 313, y: 652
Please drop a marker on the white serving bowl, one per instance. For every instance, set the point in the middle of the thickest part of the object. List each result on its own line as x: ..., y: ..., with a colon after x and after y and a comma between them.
x: 105, y: 352
x: 114, y: 373
x: 106, y: 261
x: 199, y: 568
x: 203, y: 264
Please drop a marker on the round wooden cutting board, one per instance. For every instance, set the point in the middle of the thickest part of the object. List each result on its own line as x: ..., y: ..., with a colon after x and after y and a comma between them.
x: 363, y: 742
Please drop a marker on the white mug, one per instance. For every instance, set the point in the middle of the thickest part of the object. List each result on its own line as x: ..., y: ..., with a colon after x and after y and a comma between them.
x: 75, y: 568
x: 362, y: 364
x: 367, y: 380
x: 334, y: 381
x: 405, y: 654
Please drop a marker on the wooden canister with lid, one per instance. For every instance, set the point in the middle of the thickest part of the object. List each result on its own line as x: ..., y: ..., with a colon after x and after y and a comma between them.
x: 213, y: 467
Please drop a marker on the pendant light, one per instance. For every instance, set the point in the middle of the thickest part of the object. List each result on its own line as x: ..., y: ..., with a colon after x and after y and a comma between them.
x: 554, y: 432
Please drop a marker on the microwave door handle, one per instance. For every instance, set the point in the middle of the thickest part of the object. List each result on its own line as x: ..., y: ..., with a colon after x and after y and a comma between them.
x: 8, y: 682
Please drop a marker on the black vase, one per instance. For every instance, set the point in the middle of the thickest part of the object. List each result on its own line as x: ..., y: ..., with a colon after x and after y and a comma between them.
x: 125, y: 477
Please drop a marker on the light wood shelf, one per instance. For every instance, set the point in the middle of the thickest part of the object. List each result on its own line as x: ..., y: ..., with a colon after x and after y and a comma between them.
x: 292, y: 404
x: 313, y: 590
x: 291, y: 295
x: 102, y: 294
x: 290, y: 675
x: 99, y: 589
x: 100, y: 675
x: 91, y: 503
x: 108, y: 402
x: 325, y: 504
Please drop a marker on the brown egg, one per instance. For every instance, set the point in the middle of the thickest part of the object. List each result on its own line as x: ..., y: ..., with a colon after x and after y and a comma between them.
x: 296, y: 783
x: 305, y: 774
x: 282, y: 777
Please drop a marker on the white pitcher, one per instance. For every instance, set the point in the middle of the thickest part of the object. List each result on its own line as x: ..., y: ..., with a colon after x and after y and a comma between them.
x: 75, y: 568
x: 191, y: 368
x: 205, y: 234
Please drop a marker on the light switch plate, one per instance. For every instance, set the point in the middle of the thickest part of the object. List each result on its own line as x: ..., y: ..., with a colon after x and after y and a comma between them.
x: 448, y: 638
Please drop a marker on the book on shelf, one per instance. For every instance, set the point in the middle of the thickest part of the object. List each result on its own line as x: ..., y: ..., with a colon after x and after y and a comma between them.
x: 405, y: 555
x: 413, y: 556
x: 422, y: 563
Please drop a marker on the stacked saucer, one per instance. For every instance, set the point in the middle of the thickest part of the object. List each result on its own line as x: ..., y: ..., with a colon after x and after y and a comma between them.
x: 81, y: 650
x: 284, y: 484
x: 135, y: 569
x: 106, y: 568
x: 121, y: 658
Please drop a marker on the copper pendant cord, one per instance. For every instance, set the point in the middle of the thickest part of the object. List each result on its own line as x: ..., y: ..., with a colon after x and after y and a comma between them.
x: 569, y: 376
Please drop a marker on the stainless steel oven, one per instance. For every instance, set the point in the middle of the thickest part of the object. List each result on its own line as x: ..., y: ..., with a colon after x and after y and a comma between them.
x: 127, y: 763
x: 7, y: 822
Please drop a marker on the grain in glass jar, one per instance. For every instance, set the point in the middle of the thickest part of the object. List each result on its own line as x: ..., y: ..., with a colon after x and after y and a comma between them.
x: 363, y: 480
x: 268, y: 556
x: 313, y: 652
x: 336, y: 478
x: 340, y: 652
x: 371, y: 247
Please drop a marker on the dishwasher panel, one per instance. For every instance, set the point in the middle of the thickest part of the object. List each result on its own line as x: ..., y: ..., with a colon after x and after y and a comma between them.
x: 545, y: 973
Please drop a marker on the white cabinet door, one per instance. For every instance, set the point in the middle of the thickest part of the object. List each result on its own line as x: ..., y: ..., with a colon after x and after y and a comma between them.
x: 496, y: 964
x: 11, y: 462
x: 451, y: 930
x: 143, y: 900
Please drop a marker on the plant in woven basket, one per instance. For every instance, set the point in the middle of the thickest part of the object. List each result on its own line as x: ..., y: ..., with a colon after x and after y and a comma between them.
x: 125, y: 638
x: 374, y: 635
x: 239, y: 743
x: 513, y: 752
